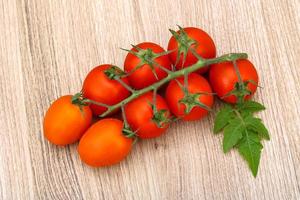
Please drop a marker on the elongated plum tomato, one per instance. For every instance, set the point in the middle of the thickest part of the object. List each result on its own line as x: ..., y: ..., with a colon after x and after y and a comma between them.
x: 99, y: 87
x: 223, y: 77
x: 140, y: 116
x: 196, y: 84
x: 144, y: 76
x: 201, y: 42
x: 64, y: 123
x: 104, y: 144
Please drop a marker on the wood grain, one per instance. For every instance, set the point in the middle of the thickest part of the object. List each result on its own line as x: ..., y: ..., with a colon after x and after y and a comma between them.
x: 48, y: 46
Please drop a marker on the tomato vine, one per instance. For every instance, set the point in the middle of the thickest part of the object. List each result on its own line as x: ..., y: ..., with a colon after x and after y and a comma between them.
x: 172, y: 75
x: 242, y: 130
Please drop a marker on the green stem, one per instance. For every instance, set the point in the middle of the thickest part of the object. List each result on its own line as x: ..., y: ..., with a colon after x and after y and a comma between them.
x: 186, y: 83
x: 126, y: 125
x: 154, y: 101
x: 237, y: 72
x: 173, y: 75
x: 86, y: 100
x: 124, y: 84
x: 240, y: 82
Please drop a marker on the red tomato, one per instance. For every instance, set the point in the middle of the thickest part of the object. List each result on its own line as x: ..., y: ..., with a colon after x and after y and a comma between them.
x: 98, y: 87
x: 196, y: 84
x: 223, y: 78
x: 203, y: 44
x: 104, y: 144
x: 64, y: 123
x: 139, y: 114
x: 144, y: 76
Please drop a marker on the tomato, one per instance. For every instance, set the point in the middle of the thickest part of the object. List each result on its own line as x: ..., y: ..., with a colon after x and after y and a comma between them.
x: 223, y: 78
x: 104, y: 144
x: 140, y: 116
x: 144, y: 76
x: 64, y: 123
x: 196, y: 84
x: 199, y: 40
x: 97, y: 86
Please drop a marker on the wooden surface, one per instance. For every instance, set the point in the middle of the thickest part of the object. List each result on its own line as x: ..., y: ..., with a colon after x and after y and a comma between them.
x: 48, y: 46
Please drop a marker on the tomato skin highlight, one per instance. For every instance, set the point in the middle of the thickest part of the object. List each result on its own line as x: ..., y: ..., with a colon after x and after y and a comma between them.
x: 206, y: 48
x: 196, y: 84
x: 139, y: 115
x: 64, y: 123
x: 98, y: 87
x: 223, y: 78
x: 104, y: 144
x: 143, y: 76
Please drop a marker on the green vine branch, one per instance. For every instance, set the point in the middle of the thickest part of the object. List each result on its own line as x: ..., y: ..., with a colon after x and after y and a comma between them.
x: 174, y: 74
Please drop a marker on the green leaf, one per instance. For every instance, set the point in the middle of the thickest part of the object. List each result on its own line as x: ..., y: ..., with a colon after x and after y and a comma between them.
x: 233, y: 133
x: 251, y: 106
x: 250, y: 149
x: 256, y: 125
x: 222, y: 118
x: 245, y: 113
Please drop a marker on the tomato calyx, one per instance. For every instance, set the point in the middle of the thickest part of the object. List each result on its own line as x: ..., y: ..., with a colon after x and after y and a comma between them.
x: 114, y: 72
x: 240, y: 91
x: 79, y: 100
x: 147, y: 57
x: 192, y: 100
x: 184, y: 44
x: 161, y: 118
x: 128, y: 132
x: 145, y: 54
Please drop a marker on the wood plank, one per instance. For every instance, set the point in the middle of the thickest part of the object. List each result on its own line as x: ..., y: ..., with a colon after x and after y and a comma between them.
x: 48, y: 46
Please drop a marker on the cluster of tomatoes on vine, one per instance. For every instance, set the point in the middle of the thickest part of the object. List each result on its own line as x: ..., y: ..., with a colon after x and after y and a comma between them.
x: 147, y: 102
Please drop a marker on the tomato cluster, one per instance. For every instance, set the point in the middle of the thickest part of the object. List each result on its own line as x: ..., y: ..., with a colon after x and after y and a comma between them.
x: 148, y: 114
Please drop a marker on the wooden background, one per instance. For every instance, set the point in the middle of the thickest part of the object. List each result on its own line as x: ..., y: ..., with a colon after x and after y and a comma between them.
x: 48, y: 46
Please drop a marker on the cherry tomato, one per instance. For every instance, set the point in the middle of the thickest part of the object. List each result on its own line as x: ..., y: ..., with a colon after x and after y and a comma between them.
x: 104, y: 144
x: 223, y: 78
x: 64, y: 123
x: 201, y: 42
x: 144, y: 76
x: 196, y: 84
x: 140, y: 116
x: 97, y: 86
